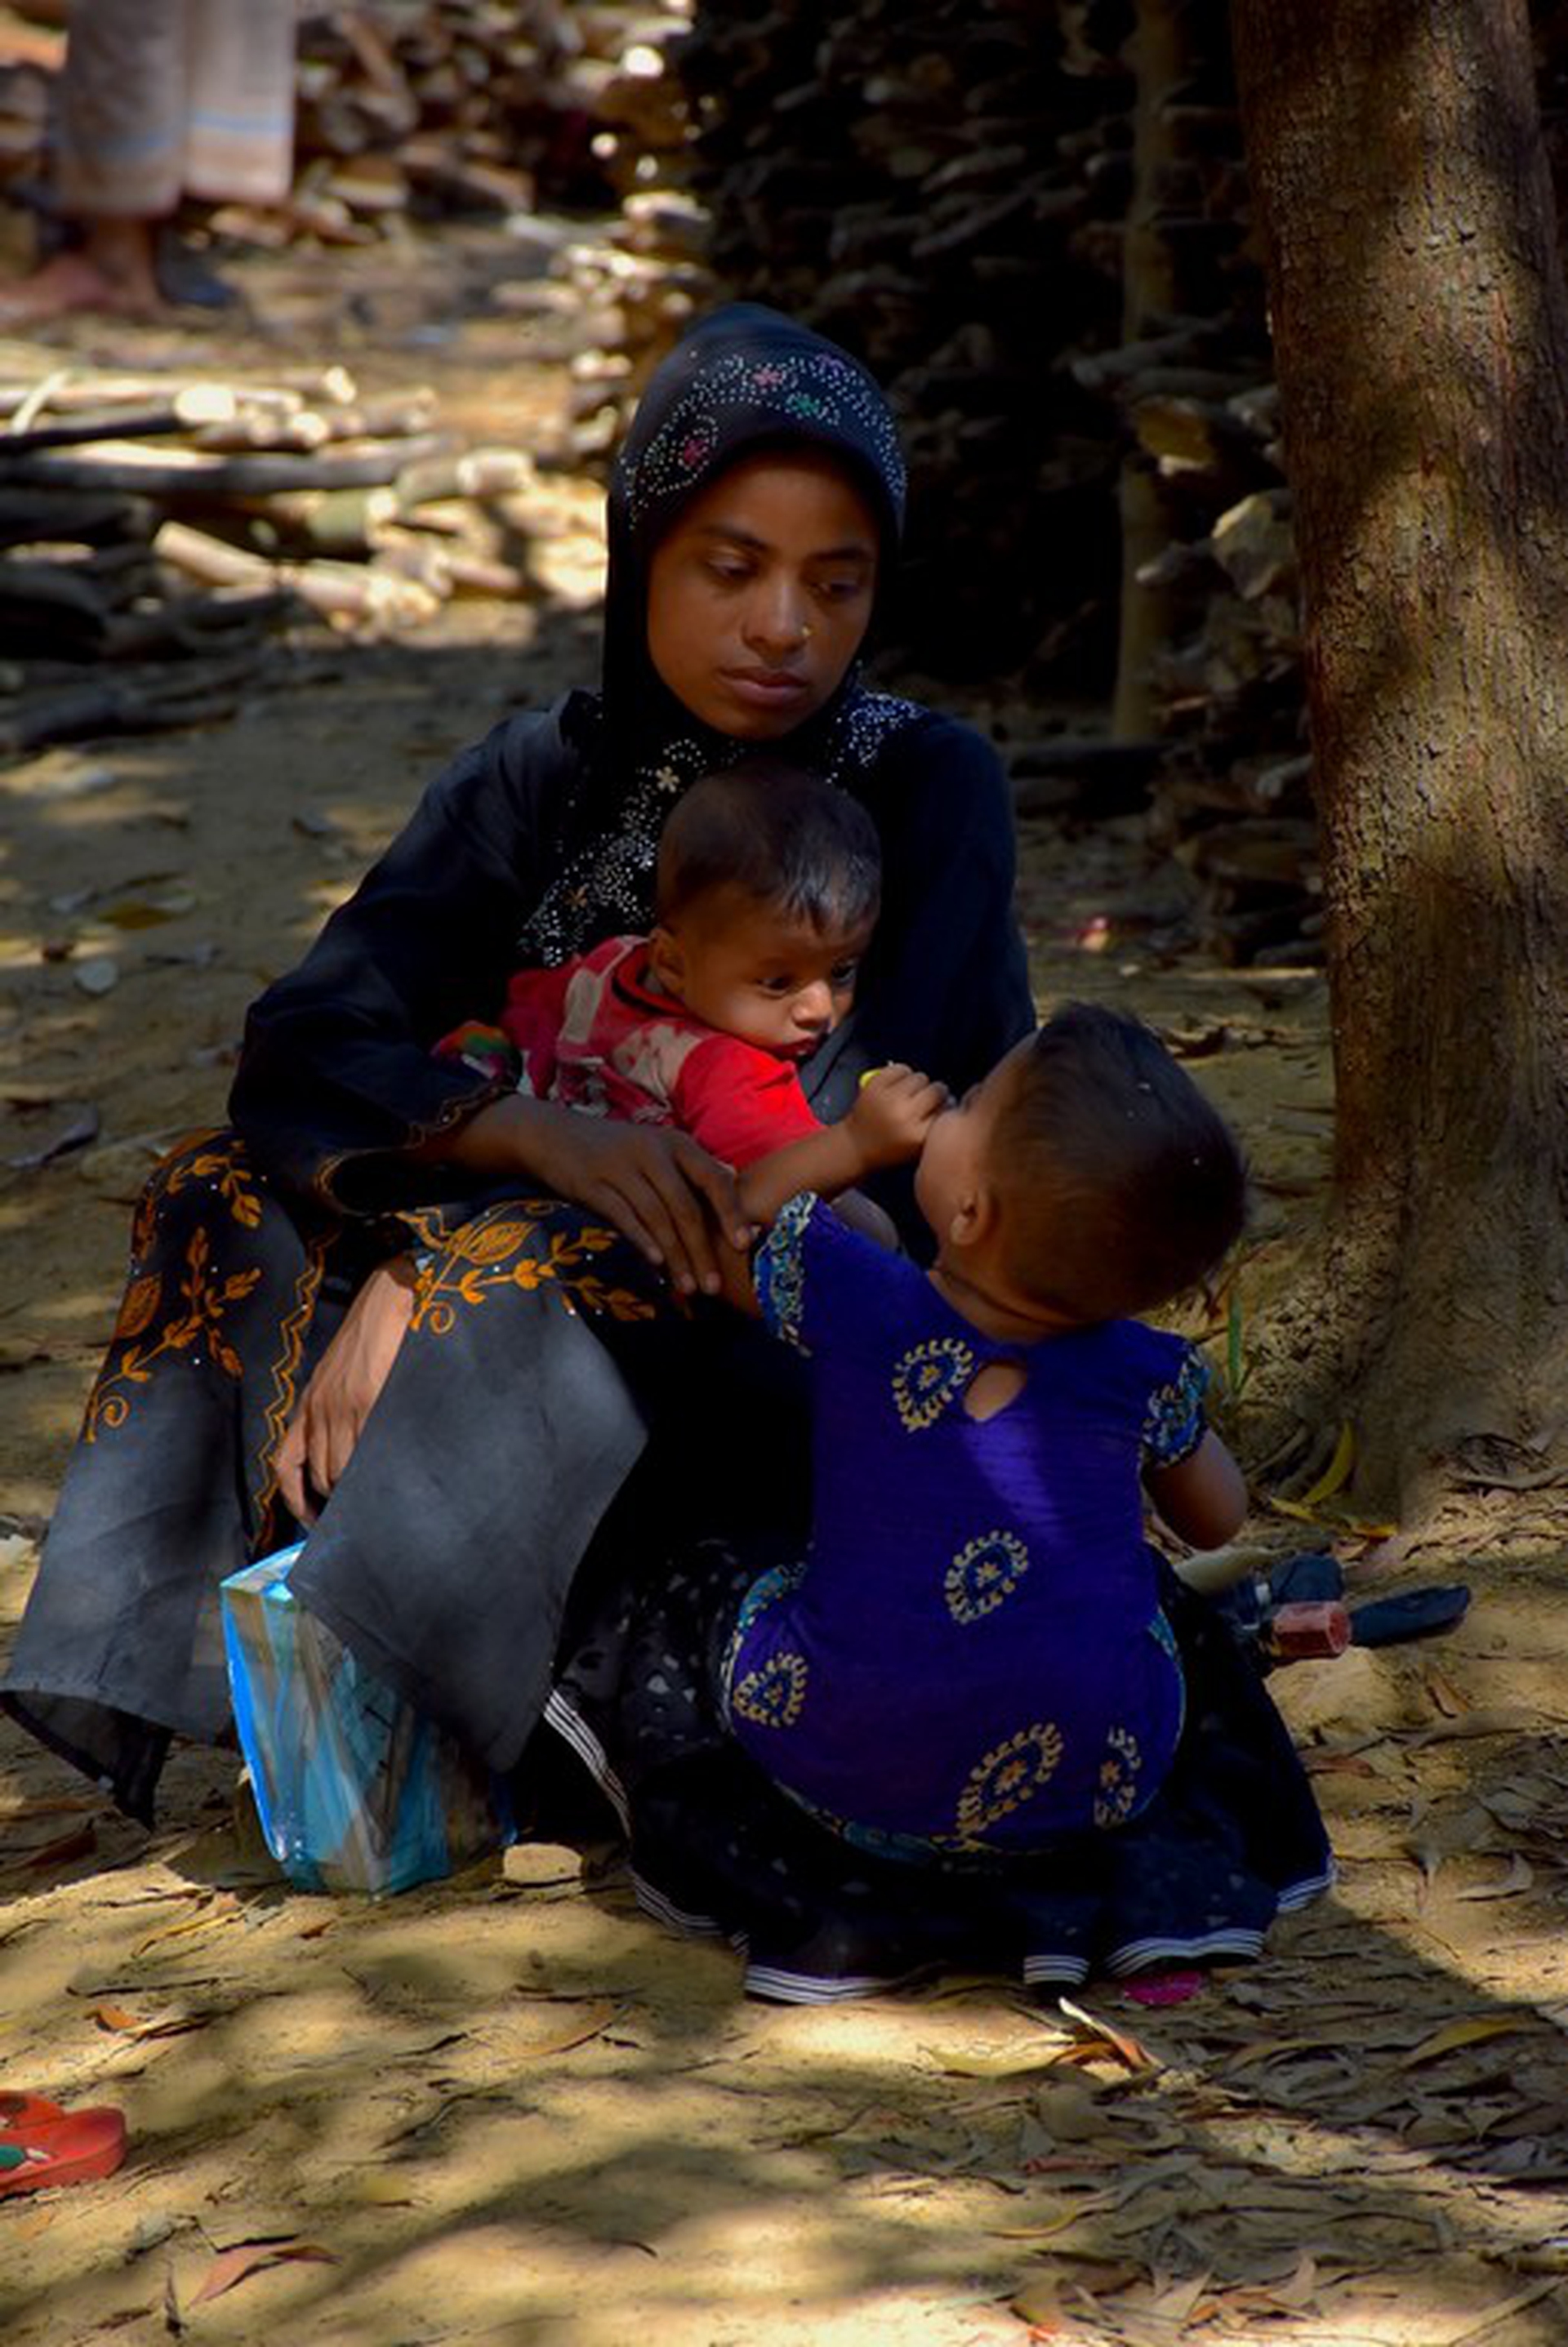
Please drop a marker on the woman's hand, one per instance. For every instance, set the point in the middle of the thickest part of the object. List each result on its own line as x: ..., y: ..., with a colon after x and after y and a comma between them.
x: 654, y: 1186
x: 658, y: 1188
x: 339, y: 1397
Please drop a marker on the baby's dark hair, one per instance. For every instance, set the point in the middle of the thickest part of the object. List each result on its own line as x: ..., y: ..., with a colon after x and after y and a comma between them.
x: 1122, y: 1184
x: 780, y: 834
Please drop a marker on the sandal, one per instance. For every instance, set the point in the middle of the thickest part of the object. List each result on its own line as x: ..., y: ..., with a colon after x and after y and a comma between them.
x: 41, y: 2144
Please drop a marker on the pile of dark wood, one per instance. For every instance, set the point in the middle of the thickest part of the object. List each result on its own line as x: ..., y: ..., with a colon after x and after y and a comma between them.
x: 636, y: 285
x: 152, y: 533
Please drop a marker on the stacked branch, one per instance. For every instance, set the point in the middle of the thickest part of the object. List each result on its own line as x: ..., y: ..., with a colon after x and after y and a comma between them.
x: 160, y: 526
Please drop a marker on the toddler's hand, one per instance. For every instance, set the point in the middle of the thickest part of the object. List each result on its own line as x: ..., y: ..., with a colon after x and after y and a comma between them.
x: 895, y: 1110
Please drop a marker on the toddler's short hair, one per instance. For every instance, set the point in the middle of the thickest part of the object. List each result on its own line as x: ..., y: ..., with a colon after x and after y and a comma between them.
x: 1122, y: 1184
x: 783, y: 836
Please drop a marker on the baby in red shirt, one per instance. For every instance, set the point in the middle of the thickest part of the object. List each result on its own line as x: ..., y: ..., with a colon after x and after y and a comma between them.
x: 767, y: 891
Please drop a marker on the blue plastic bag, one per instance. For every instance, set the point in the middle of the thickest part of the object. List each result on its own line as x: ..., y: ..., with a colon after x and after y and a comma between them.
x: 356, y: 1791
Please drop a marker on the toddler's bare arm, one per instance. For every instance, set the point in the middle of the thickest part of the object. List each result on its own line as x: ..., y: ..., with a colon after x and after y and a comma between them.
x: 1203, y: 1498
x: 887, y: 1125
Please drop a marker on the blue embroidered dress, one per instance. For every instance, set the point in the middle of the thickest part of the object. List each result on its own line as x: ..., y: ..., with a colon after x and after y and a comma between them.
x: 972, y: 1656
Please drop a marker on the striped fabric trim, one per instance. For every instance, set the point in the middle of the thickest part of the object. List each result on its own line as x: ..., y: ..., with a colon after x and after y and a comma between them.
x: 575, y: 1731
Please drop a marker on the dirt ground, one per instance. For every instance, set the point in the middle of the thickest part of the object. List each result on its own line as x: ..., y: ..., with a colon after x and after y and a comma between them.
x: 510, y: 2109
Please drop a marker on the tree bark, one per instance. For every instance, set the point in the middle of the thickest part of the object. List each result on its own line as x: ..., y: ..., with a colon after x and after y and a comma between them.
x: 1421, y: 335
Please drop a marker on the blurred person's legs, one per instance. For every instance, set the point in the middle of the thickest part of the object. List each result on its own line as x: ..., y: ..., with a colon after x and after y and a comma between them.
x: 158, y: 100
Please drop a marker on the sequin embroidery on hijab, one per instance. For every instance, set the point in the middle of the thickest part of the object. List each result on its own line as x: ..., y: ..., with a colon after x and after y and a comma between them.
x: 744, y: 379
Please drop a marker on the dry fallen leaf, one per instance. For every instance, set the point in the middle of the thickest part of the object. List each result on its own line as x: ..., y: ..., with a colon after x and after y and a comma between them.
x: 1043, y: 2228
x: 1520, y: 1877
x: 230, y: 2267
x: 1455, y: 2034
x: 130, y: 2024
x: 1265, y: 2050
x: 1178, y: 2301
x: 592, y: 2022
x: 1338, y: 1472
x: 115, y: 2016
x: 54, y: 1853
x: 1445, y: 1697
x: 1016, y: 2065
x: 1136, y: 2056
x: 1081, y: 2279
x: 202, y: 1923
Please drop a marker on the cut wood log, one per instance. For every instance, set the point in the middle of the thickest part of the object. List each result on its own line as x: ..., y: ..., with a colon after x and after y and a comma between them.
x: 188, y: 476
x: 84, y: 517
x: 342, y: 592
x: 187, y: 626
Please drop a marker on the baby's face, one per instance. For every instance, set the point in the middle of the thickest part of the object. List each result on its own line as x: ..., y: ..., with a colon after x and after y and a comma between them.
x: 750, y: 970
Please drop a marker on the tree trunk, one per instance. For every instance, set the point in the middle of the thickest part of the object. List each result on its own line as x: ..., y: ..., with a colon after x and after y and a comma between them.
x: 1421, y: 335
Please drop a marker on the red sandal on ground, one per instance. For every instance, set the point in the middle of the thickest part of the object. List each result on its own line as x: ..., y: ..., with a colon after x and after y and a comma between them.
x: 41, y: 2144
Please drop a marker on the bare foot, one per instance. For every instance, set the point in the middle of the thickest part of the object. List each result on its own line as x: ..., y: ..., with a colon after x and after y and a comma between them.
x: 73, y: 282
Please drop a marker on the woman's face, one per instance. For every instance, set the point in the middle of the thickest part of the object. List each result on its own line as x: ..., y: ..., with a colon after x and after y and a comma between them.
x: 759, y: 595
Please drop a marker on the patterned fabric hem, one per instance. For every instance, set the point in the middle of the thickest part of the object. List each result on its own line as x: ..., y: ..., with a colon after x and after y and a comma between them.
x: 811, y: 1988
x: 665, y: 1911
x: 574, y: 1731
x: 1302, y: 1894
x: 1143, y: 1955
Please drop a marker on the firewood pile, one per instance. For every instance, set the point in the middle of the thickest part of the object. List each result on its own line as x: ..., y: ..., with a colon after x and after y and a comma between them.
x: 153, y: 532
x: 636, y: 290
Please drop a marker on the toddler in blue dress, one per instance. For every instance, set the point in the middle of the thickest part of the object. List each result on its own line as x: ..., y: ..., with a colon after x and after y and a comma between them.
x: 971, y: 1659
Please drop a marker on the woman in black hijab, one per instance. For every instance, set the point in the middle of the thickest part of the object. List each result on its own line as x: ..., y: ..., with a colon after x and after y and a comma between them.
x: 754, y: 514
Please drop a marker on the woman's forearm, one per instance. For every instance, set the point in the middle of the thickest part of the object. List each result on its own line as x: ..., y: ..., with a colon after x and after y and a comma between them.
x: 511, y: 1135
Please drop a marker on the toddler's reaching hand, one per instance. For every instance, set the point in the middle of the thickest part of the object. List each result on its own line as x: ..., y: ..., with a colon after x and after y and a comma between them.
x: 895, y: 1110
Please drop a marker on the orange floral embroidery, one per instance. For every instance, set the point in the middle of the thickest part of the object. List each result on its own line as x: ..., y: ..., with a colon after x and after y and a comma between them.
x: 511, y: 1251
x: 199, y: 1325
x: 137, y: 1307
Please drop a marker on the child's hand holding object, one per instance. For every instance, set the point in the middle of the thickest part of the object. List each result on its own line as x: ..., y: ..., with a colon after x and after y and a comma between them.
x: 895, y: 1109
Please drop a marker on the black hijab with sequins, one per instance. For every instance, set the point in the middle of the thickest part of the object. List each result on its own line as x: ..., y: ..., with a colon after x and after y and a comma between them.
x: 745, y: 379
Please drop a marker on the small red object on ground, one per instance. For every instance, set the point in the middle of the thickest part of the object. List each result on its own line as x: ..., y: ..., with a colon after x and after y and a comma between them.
x: 1295, y: 1632
x: 41, y: 2144
x: 1164, y: 1988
